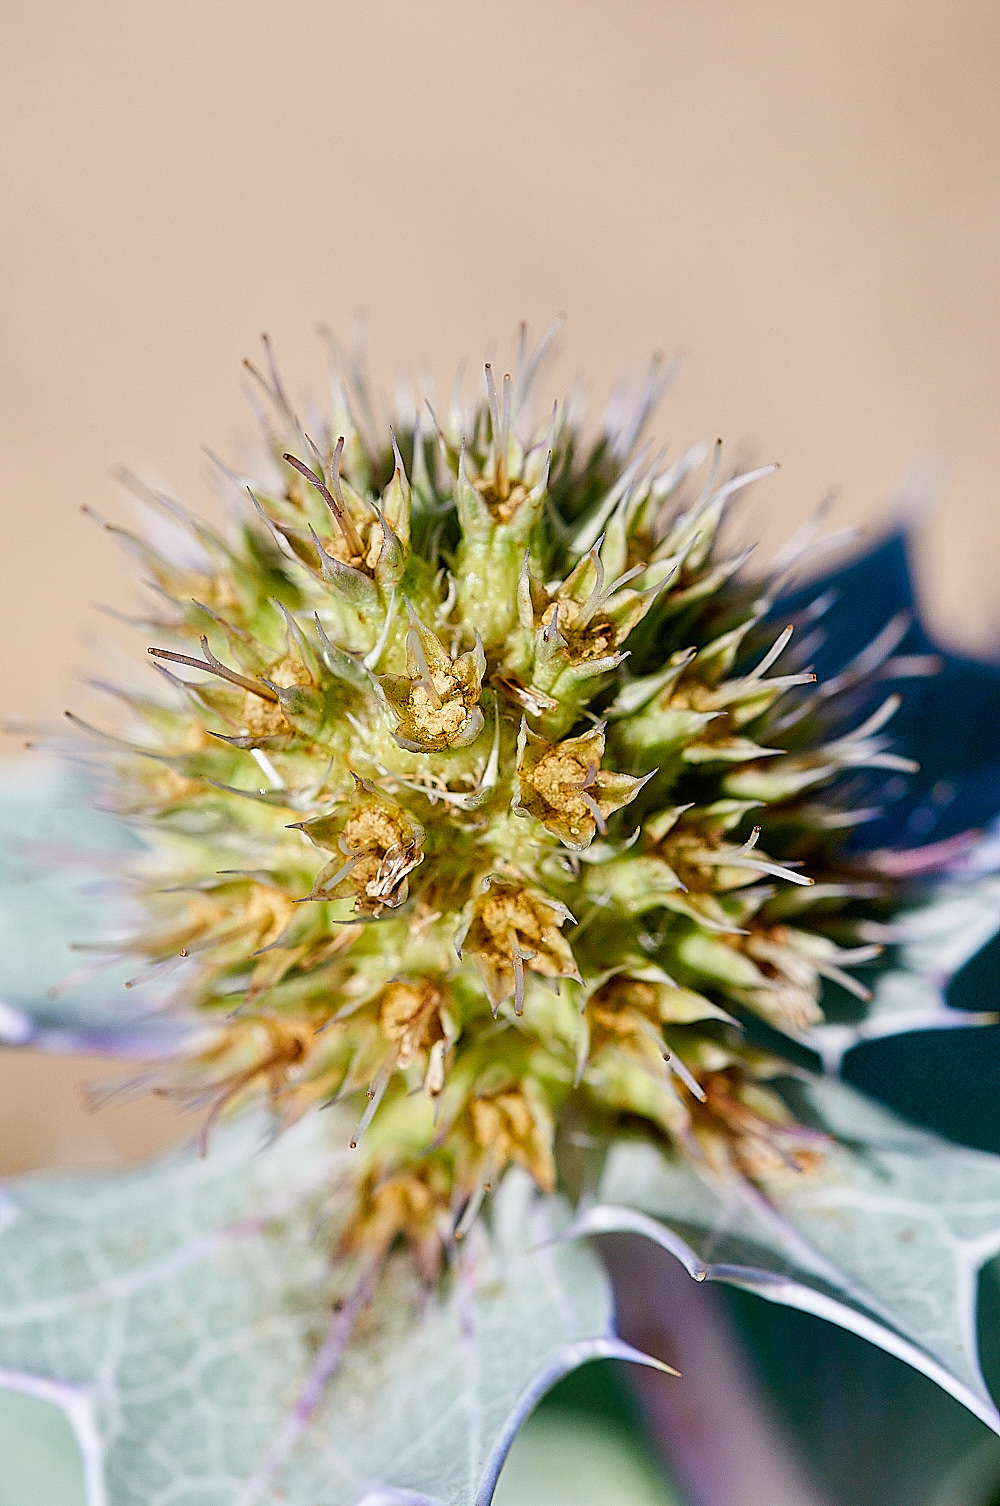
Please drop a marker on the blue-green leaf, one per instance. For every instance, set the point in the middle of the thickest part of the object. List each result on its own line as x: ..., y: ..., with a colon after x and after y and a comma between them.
x: 886, y: 1239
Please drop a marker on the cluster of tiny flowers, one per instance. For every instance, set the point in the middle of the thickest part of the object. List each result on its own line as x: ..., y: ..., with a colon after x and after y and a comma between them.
x: 486, y: 803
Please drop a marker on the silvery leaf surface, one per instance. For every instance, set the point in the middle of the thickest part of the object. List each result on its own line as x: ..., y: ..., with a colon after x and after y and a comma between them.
x: 887, y: 1239
x: 60, y: 863
x: 183, y: 1317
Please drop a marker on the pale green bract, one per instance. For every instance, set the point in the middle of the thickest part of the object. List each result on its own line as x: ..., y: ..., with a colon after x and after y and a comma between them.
x: 176, y: 1314
x: 173, y: 1313
x: 180, y: 1309
x: 887, y: 1240
x: 184, y: 1310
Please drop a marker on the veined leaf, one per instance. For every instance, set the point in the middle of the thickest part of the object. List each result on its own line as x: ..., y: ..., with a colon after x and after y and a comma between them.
x: 886, y: 1239
x: 186, y: 1318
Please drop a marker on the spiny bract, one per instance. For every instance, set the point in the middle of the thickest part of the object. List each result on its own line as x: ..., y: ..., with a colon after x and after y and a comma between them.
x: 494, y: 811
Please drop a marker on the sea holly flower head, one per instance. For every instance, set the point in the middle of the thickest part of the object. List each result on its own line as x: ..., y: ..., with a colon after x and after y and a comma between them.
x: 493, y: 806
x: 521, y: 726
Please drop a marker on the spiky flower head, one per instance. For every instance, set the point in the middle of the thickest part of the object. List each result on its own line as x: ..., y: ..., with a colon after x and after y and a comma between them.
x: 489, y: 801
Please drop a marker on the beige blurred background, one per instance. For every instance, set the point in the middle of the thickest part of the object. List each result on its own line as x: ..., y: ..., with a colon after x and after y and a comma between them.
x: 802, y: 196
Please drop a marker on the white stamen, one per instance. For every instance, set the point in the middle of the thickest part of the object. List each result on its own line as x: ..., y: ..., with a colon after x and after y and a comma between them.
x: 434, y: 1076
x: 885, y: 642
x: 375, y: 1095
x: 504, y: 439
x: 854, y: 956
x: 911, y: 667
x: 375, y: 653
x: 759, y: 865
x: 837, y: 975
x: 528, y: 366
x: 475, y: 1202
x: 519, y: 958
x: 667, y: 483
x: 739, y: 482
x: 341, y: 874
x: 491, y: 397
x: 773, y: 653
x: 877, y: 720
x: 859, y: 759
x: 267, y: 768
x: 595, y: 811
x: 708, y: 490
x: 687, y: 1078
x: 415, y: 646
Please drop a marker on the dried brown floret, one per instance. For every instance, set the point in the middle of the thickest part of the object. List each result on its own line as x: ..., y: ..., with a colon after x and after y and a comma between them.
x: 379, y: 845
x: 563, y: 785
x: 511, y: 926
x: 744, y: 1126
x: 413, y: 1204
x: 511, y: 1123
x: 436, y: 703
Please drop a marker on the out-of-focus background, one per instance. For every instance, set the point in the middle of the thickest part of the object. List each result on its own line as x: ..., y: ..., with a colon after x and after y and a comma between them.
x: 802, y: 197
